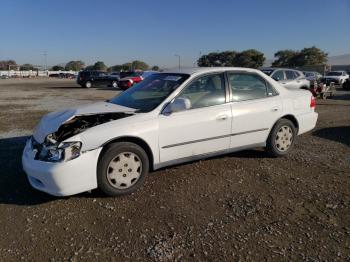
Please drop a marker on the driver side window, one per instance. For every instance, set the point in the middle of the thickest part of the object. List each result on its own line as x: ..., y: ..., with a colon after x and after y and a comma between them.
x: 205, y: 91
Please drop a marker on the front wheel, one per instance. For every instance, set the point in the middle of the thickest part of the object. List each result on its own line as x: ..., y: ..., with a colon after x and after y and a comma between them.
x: 122, y: 169
x: 281, y: 138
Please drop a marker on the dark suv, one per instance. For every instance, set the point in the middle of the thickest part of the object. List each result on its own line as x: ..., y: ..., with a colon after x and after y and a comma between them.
x: 96, y: 78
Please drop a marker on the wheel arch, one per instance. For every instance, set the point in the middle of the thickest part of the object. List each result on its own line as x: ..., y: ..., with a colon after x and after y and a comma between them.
x: 131, y: 139
x: 291, y: 118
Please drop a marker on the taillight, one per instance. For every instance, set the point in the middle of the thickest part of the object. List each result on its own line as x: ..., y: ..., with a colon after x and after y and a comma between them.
x: 313, y: 102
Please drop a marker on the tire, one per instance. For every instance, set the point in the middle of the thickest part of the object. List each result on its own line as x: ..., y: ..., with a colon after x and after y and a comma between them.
x: 122, y: 169
x: 278, y: 146
x: 88, y: 84
x: 115, y: 84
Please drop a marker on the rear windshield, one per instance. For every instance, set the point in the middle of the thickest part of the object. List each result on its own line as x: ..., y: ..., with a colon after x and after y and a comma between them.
x: 267, y: 71
x: 334, y: 74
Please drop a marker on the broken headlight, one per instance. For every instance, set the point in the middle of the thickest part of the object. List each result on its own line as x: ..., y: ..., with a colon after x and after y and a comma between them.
x: 64, y: 152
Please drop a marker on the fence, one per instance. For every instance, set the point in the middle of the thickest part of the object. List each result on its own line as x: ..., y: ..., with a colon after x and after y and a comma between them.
x: 322, y: 69
x: 33, y: 73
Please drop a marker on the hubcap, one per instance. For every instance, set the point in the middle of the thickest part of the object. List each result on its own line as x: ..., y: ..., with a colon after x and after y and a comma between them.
x: 284, y: 138
x: 114, y: 84
x: 124, y: 170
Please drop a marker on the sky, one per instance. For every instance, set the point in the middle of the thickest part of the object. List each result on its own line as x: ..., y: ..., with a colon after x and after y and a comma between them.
x: 154, y: 31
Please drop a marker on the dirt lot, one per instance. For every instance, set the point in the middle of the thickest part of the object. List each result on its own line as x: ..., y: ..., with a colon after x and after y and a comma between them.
x: 242, y: 206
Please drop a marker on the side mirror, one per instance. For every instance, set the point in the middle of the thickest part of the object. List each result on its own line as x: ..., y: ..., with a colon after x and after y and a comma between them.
x: 179, y: 104
x: 276, y: 78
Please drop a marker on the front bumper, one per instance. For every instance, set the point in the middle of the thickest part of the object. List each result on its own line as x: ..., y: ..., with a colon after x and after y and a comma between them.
x: 63, y: 178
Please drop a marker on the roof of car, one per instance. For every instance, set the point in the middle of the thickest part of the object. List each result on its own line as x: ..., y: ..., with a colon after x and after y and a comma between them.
x: 275, y: 68
x: 195, y: 70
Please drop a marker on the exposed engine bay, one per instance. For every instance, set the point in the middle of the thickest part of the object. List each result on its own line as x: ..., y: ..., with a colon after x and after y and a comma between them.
x: 80, y: 123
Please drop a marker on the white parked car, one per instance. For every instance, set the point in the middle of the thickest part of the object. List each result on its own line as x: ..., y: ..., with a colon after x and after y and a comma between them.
x: 289, y: 78
x: 338, y: 77
x: 168, y: 118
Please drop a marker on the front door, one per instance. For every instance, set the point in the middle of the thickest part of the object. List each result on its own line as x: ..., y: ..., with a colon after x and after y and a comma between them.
x: 202, y: 129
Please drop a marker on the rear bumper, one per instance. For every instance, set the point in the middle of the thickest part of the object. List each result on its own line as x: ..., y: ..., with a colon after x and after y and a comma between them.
x: 64, y: 178
x: 307, y: 122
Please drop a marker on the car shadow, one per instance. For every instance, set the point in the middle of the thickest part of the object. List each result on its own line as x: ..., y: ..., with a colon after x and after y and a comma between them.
x: 14, y: 186
x: 16, y: 190
x: 339, y: 134
x: 249, y: 153
x: 65, y: 87
x: 80, y: 87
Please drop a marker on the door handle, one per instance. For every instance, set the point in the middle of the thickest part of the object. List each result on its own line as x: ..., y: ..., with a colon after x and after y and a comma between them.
x: 283, y: 83
x: 274, y: 109
x: 221, y: 117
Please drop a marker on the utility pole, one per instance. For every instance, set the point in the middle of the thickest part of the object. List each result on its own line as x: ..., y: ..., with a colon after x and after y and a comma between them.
x: 179, y: 61
x: 45, y: 57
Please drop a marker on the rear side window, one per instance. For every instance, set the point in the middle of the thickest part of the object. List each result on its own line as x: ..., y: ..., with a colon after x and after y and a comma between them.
x: 291, y: 75
x: 249, y: 86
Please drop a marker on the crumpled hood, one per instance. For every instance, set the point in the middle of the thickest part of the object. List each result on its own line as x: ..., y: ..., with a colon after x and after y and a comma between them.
x: 52, y: 121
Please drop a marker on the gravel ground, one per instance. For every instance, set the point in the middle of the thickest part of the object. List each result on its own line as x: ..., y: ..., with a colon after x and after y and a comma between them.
x: 239, y: 207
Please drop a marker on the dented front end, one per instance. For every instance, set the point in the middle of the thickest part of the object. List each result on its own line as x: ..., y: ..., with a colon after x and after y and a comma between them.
x: 55, y: 149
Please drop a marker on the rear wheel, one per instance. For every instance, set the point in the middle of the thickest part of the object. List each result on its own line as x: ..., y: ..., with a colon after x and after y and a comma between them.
x: 122, y: 169
x: 88, y: 84
x: 281, y: 138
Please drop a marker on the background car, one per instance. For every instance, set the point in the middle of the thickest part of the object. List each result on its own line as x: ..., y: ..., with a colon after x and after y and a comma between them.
x: 4, y: 77
x: 115, y: 75
x: 312, y: 76
x: 128, y: 79
x: 346, y: 84
x: 96, y: 78
x: 337, y: 77
x: 289, y: 78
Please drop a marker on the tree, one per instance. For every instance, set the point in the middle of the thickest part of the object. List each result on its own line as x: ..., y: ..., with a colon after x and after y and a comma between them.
x: 225, y: 58
x: 4, y: 64
x: 312, y: 56
x: 249, y: 58
x: 100, y: 66
x: 74, y: 65
x: 155, y: 68
x: 57, y: 68
x: 285, y: 58
x: 26, y: 67
x: 308, y: 56
x: 139, y: 65
x: 89, y: 67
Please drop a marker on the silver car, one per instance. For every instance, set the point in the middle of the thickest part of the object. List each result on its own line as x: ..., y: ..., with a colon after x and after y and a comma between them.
x: 289, y: 78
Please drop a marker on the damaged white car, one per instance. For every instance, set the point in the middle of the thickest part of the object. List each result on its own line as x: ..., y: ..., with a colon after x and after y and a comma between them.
x: 168, y: 118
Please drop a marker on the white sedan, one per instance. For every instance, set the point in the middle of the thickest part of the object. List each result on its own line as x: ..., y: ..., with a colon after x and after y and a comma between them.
x: 168, y: 118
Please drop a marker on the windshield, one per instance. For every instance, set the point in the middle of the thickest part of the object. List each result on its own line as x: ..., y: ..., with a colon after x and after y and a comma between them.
x: 307, y: 74
x: 267, y: 71
x: 149, y: 93
x: 334, y: 74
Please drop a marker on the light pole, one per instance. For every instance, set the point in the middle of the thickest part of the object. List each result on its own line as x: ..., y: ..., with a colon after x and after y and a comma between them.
x: 179, y: 61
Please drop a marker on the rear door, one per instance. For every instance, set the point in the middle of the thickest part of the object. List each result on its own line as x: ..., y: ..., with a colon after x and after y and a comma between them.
x: 256, y: 106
